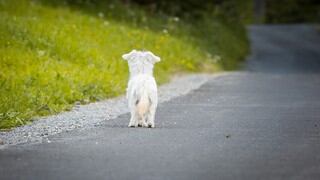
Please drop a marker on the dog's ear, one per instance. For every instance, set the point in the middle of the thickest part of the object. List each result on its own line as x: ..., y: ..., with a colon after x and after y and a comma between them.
x: 152, y: 58
x: 129, y: 55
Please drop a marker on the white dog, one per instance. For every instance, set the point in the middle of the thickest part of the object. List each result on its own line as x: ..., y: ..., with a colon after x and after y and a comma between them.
x: 142, y: 92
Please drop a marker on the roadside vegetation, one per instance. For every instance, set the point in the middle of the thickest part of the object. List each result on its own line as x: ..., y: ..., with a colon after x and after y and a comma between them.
x: 56, y: 53
x: 292, y: 11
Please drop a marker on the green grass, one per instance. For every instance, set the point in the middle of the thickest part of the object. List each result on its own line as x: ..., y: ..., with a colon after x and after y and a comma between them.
x: 52, y: 54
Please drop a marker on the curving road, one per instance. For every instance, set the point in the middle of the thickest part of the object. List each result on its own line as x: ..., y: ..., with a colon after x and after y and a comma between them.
x: 261, y: 123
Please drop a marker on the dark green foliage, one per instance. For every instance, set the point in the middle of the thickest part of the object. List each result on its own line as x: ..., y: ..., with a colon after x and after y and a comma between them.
x: 292, y: 11
x: 233, y: 10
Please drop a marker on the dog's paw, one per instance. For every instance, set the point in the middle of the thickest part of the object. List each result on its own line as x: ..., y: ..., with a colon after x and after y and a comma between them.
x: 145, y: 125
x: 131, y: 125
x: 140, y: 124
x: 151, y: 125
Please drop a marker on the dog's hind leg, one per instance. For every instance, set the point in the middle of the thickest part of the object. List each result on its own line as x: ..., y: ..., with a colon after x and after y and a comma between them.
x: 150, y: 121
x: 133, y: 119
x: 151, y: 116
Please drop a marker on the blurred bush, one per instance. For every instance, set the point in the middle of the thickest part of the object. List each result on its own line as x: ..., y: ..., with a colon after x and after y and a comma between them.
x: 292, y: 11
x: 233, y: 10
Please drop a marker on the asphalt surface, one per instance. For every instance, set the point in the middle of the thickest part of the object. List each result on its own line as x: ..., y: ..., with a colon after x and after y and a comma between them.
x: 261, y: 123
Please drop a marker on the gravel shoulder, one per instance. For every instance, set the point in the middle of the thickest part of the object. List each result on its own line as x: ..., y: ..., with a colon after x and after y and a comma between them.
x: 90, y: 115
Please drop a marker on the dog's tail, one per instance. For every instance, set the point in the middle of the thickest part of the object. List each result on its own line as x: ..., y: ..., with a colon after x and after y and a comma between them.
x: 143, y: 104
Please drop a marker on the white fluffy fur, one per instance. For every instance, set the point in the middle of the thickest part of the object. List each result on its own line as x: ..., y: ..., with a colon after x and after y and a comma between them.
x: 142, y: 92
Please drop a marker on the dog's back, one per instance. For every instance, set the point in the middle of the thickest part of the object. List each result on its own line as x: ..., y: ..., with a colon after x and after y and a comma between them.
x: 141, y: 91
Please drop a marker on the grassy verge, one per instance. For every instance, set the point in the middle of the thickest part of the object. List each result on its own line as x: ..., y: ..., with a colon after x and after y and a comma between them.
x: 53, y: 54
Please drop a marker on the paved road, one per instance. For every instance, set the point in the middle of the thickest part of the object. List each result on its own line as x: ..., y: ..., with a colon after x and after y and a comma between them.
x: 262, y: 123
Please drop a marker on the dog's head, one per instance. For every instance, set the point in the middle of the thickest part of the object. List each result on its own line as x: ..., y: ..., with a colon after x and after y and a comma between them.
x: 141, y: 62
